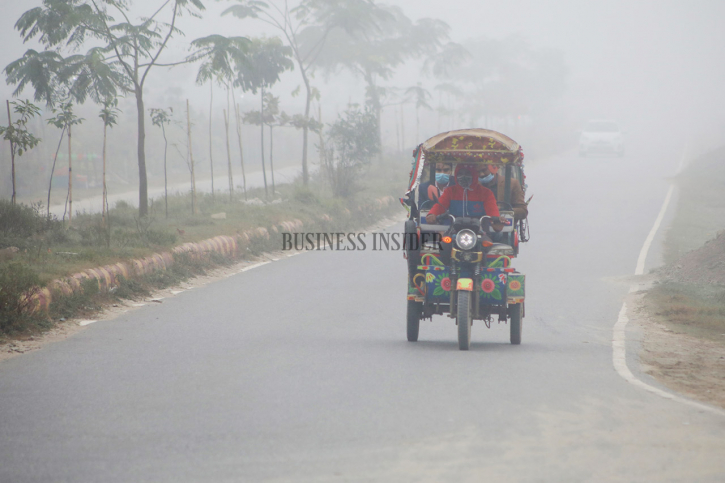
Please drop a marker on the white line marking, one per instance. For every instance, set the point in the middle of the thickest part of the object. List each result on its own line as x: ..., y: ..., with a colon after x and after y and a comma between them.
x: 138, y: 305
x: 619, y: 332
x: 177, y: 292
x: 648, y: 242
x: 86, y: 322
x: 253, y: 266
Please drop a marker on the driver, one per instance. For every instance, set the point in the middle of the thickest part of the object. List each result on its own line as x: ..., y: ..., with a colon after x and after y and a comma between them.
x: 466, y: 198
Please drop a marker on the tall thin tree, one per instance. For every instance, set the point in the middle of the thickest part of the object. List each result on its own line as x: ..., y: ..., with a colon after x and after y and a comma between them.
x: 21, y: 140
x: 109, y: 116
x: 160, y: 118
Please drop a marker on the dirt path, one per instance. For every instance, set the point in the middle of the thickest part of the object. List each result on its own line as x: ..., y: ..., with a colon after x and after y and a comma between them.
x: 689, y: 365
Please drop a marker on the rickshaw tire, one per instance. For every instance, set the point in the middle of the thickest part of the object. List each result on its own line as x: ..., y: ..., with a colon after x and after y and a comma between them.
x: 463, y: 318
x: 415, y: 310
x: 515, y: 323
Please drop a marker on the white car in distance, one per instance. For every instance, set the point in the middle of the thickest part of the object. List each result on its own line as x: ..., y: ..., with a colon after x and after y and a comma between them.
x: 601, y: 136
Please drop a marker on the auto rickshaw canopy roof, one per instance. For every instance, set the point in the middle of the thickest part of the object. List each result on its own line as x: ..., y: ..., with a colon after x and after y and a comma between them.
x: 469, y: 146
x: 478, y: 146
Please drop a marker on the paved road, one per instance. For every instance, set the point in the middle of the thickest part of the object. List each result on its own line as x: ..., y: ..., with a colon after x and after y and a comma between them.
x: 255, y: 179
x: 299, y: 370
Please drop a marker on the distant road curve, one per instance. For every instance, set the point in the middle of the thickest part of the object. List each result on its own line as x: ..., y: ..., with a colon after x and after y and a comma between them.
x: 254, y: 180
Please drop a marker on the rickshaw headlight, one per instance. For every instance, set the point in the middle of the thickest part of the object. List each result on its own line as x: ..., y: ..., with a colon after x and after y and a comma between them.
x: 466, y: 239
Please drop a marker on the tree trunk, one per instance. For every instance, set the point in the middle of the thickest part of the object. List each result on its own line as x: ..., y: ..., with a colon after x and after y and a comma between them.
x: 239, y: 138
x: 52, y: 170
x: 12, y: 152
x: 211, y: 162
x: 191, y: 160
x: 166, y: 189
x: 70, y: 179
x: 104, y: 196
x: 143, y: 191
x: 271, y: 156
x: 227, y: 113
x: 261, y: 123
x: 229, y: 154
x: 305, y: 129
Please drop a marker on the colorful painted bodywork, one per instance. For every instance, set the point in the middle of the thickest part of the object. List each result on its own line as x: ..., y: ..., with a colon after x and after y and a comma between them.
x: 497, y: 286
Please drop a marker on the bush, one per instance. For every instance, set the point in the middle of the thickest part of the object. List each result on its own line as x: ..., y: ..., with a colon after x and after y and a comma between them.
x: 82, y: 301
x: 23, y: 226
x: 351, y: 142
x: 129, y: 288
x: 16, y: 280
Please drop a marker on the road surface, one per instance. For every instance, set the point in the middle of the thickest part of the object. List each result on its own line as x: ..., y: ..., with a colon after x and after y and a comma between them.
x: 299, y: 370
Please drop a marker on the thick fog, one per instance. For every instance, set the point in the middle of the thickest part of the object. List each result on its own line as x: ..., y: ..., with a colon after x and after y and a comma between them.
x: 538, y: 70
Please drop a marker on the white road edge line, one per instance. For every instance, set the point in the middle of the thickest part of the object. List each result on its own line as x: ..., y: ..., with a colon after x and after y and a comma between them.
x: 253, y: 266
x: 619, y: 332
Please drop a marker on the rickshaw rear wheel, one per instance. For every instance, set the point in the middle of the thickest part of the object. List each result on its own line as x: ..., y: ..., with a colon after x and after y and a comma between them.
x: 415, y: 310
x: 515, y: 322
x: 463, y: 318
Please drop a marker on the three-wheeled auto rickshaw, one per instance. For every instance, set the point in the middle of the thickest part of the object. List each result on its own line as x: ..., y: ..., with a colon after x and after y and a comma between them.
x: 460, y: 265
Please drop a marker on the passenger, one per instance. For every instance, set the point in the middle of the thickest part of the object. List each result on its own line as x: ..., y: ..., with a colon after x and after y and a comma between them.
x: 488, y: 177
x: 431, y: 192
x: 466, y: 198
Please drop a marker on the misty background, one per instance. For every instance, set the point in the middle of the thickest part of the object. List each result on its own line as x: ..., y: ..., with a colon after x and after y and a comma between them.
x: 537, y: 71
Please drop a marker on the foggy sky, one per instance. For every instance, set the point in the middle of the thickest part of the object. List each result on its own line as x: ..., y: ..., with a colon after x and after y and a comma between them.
x: 643, y: 62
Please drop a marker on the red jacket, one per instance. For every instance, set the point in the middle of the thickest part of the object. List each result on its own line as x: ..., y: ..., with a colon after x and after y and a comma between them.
x: 475, y: 201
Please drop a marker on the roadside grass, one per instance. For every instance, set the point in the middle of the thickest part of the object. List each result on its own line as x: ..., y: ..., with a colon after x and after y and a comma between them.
x: 53, y: 249
x: 692, y: 309
x: 700, y: 213
x: 696, y: 309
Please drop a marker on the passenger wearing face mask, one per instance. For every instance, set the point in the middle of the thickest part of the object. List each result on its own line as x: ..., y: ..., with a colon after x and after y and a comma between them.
x: 466, y: 198
x: 431, y: 192
x: 488, y: 177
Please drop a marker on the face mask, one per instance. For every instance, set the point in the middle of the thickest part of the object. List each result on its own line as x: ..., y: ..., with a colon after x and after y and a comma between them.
x: 442, y: 178
x: 486, y: 179
x: 464, y: 180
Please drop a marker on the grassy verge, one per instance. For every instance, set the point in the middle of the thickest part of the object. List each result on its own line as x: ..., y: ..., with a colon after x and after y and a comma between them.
x: 700, y: 211
x: 692, y: 309
x: 686, y: 300
x: 44, y: 250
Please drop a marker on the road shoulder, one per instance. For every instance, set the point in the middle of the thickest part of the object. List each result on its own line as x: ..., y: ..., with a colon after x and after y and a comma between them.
x: 691, y: 366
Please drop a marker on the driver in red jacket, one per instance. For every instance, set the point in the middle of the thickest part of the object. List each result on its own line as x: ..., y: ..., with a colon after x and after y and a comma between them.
x: 466, y: 198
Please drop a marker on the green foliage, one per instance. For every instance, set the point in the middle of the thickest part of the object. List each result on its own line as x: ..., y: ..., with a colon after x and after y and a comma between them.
x: 16, y: 133
x: 110, y: 111
x: 160, y: 117
x: 64, y: 117
x: 272, y: 114
x: 129, y: 288
x: 82, y: 301
x: 305, y: 195
x: 220, y: 57
x: 15, y: 281
x: 20, y: 221
x: 265, y: 60
x: 351, y: 142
